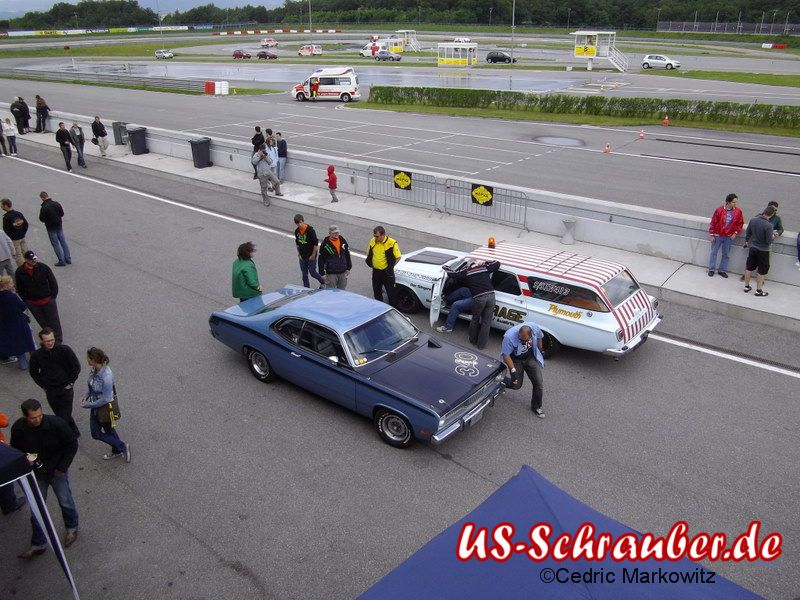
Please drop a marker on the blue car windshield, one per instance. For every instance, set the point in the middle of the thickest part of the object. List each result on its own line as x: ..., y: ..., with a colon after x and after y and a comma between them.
x: 382, y: 335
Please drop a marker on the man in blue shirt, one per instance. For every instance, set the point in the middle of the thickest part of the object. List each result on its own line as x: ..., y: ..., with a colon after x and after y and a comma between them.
x: 522, y: 351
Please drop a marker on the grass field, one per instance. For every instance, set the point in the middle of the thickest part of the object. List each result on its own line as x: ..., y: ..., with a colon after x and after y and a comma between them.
x: 760, y: 78
x: 514, y: 115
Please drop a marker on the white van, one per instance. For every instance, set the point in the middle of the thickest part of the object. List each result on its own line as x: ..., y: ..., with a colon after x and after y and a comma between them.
x: 310, y: 50
x: 372, y: 48
x: 336, y: 83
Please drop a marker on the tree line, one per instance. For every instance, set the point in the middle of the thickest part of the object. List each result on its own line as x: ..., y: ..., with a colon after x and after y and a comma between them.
x: 642, y: 14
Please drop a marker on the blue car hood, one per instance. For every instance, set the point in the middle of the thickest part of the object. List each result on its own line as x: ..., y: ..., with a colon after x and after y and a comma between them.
x: 438, y: 377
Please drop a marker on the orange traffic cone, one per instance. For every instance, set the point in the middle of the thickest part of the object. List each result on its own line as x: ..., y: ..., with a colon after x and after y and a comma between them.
x: 665, y: 121
x: 641, y: 134
x: 607, y: 149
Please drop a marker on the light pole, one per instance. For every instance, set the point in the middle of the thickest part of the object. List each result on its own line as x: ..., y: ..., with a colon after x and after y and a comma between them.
x: 513, y: 25
x: 569, y: 13
x: 310, y: 29
x: 761, y: 29
x: 658, y: 18
x: 160, y: 30
x: 76, y: 19
x: 786, y: 25
x: 491, y: 8
x: 774, y: 12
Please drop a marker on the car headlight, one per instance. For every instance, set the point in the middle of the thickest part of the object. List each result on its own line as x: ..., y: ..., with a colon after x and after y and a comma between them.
x: 499, y: 377
x: 441, y: 422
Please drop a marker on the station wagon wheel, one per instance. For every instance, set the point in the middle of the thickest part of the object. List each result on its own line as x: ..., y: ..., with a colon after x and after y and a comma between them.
x: 345, y: 97
x: 550, y: 345
x: 300, y: 97
x: 645, y: 65
x: 407, y: 301
x: 259, y: 366
x: 394, y: 429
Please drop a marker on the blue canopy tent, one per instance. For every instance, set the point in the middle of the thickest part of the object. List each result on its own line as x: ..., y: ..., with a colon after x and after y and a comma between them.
x: 434, y: 571
x: 15, y: 468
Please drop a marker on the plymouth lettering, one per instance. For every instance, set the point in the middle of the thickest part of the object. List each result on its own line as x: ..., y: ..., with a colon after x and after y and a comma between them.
x: 560, y: 312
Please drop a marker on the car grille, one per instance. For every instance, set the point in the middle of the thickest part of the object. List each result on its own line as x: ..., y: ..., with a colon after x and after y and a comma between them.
x: 474, y: 399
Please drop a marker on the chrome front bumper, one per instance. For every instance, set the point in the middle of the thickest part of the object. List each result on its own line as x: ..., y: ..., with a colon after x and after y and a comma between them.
x: 635, y: 342
x: 469, y: 419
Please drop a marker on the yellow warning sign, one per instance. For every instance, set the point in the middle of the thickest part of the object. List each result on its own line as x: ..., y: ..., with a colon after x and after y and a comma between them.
x: 586, y: 51
x: 402, y: 180
x: 482, y: 194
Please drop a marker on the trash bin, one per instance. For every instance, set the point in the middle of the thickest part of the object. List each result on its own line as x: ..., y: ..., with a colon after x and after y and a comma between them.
x: 201, y: 152
x: 120, y: 132
x: 138, y: 140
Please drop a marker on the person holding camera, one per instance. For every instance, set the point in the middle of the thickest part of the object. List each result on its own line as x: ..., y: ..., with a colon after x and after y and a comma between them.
x: 522, y: 352
x: 99, y: 393
x: 51, y: 446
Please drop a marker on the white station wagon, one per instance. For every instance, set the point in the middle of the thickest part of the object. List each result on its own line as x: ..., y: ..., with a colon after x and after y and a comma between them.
x: 577, y: 300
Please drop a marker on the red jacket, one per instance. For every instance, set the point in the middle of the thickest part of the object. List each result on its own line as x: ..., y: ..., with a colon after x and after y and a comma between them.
x: 717, y: 226
x: 331, y: 180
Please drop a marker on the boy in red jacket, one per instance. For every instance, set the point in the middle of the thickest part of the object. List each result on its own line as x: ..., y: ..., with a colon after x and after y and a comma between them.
x: 331, y: 181
x: 726, y: 223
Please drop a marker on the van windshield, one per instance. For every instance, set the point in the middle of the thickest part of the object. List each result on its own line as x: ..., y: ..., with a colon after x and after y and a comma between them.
x: 620, y: 288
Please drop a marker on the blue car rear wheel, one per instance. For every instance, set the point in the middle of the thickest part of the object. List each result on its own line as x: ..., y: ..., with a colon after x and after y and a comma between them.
x: 394, y: 429
x: 259, y: 366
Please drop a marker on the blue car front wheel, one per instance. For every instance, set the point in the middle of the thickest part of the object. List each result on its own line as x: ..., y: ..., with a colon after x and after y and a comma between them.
x: 259, y: 366
x: 394, y: 429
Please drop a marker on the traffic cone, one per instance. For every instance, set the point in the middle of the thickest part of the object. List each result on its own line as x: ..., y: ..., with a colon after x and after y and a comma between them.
x: 607, y: 149
x: 665, y: 121
x: 641, y: 134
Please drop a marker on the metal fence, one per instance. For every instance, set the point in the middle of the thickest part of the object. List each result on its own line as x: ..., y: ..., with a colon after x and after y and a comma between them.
x: 406, y: 187
x: 477, y: 200
x: 156, y: 82
x: 768, y: 27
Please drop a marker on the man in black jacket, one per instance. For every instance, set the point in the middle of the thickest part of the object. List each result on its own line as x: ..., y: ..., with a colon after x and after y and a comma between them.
x: 478, y: 278
x: 305, y: 238
x: 55, y: 368
x: 38, y: 287
x: 100, y: 134
x: 257, y: 140
x: 51, y: 446
x: 51, y: 214
x: 64, y: 141
x: 15, y: 225
x: 42, y: 110
x: 17, y: 109
x: 334, y: 260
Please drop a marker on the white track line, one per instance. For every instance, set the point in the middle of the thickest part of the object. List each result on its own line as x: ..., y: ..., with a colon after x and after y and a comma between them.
x: 284, y: 234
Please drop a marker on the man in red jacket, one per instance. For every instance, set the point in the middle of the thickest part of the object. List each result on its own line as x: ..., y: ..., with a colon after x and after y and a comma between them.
x: 726, y: 223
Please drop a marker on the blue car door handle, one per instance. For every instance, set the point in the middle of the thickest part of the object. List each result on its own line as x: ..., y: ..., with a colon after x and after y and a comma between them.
x: 295, y: 354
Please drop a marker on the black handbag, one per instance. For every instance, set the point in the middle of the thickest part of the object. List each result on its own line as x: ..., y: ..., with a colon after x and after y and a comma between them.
x: 109, y: 414
x: 94, y: 141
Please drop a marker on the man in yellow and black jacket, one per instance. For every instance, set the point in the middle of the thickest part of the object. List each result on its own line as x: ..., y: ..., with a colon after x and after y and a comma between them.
x: 382, y: 254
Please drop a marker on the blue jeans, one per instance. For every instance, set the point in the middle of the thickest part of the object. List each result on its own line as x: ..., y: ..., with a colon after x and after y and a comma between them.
x: 724, y: 244
x: 104, y: 432
x: 59, y: 243
x: 65, y: 501
x: 281, y: 167
x: 459, y: 301
x: 309, y: 265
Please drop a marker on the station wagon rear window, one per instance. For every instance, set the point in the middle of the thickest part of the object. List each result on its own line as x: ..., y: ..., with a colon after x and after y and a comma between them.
x: 429, y: 257
x: 620, y: 288
x: 566, y: 293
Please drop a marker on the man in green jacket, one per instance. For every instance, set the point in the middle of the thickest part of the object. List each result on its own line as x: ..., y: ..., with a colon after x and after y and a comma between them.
x: 245, y: 277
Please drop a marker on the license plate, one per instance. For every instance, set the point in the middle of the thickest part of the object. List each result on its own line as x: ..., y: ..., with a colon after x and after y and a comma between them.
x: 476, y: 418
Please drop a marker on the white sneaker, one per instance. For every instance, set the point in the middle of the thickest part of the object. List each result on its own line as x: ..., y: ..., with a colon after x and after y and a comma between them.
x: 538, y: 412
x: 443, y: 329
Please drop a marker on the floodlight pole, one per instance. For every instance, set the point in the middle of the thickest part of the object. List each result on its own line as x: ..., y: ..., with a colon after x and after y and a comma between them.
x: 513, y: 26
x: 310, y: 29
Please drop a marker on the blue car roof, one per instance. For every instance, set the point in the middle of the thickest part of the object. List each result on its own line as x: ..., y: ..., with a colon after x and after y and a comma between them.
x: 339, y: 310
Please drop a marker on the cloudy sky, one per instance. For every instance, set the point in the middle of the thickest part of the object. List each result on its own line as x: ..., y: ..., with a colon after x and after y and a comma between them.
x: 16, y: 8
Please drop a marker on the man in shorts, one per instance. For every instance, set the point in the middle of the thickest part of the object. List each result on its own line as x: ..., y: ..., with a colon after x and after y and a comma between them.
x: 759, y: 238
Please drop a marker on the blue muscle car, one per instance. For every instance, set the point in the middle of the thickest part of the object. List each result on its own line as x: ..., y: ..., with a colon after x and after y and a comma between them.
x: 364, y: 355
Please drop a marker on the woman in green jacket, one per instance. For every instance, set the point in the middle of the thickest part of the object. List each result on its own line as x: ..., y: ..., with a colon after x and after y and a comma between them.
x: 245, y: 277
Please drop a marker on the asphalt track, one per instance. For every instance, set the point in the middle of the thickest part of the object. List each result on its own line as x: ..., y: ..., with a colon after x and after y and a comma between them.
x: 245, y: 490
x: 679, y: 170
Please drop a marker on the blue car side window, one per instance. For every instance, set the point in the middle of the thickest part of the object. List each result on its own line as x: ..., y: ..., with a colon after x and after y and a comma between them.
x: 290, y: 330
x: 322, y: 341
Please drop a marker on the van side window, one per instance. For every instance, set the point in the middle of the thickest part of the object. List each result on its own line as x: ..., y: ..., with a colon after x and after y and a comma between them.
x: 503, y: 281
x: 566, y: 293
x: 344, y: 81
x: 327, y: 81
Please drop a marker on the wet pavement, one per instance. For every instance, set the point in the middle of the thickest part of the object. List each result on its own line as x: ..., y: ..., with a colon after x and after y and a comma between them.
x: 291, y: 74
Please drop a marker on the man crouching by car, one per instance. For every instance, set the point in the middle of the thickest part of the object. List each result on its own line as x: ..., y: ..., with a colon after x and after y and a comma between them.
x: 522, y: 351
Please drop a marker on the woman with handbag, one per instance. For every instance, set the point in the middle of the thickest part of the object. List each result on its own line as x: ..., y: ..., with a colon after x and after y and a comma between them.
x: 101, y: 399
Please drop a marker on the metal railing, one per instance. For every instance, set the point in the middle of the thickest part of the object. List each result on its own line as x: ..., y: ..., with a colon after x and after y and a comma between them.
x: 403, y: 186
x: 485, y: 202
x: 155, y: 82
x: 618, y: 59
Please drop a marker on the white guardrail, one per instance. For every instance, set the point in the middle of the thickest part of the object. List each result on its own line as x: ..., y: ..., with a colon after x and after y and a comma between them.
x: 647, y: 231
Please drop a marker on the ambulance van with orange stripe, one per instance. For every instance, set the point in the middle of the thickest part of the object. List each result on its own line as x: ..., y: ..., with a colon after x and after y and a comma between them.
x: 577, y: 300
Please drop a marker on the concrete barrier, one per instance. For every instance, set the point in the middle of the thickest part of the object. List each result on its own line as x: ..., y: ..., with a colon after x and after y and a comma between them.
x: 647, y: 231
